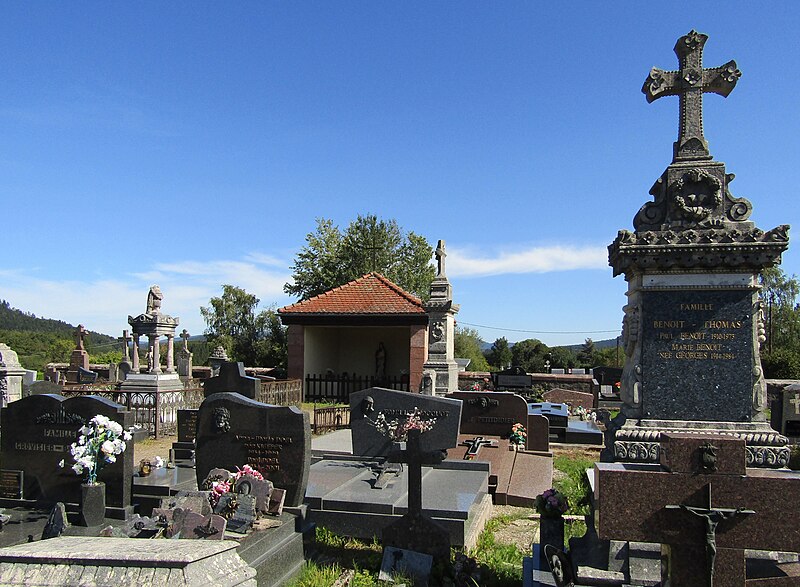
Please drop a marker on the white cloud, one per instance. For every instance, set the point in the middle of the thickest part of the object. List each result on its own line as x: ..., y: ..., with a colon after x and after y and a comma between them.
x: 466, y: 263
x: 103, y: 305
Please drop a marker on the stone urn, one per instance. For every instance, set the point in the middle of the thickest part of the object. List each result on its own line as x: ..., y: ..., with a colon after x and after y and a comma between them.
x: 551, y: 531
x: 93, y: 504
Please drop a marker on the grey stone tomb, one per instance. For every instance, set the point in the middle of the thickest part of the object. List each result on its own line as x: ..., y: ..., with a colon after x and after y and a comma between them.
x: 693, y: 321
x: 441, y: 329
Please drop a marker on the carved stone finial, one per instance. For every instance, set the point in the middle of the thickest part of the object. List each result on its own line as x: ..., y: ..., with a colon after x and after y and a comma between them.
x: 154, y: 298
x: 690, y: 82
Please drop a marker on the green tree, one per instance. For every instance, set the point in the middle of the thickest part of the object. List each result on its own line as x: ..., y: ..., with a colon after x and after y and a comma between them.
x: 499, y: 356
x: 468, y: 345
x: 612, y: 356
x: 781, y: 352
x: 257, y: 339
x: 562, y: 358
x: 331, y: 257
x: 586, y: 354
x: 530, y: 354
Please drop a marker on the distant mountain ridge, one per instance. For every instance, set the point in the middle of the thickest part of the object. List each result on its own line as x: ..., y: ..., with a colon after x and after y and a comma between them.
x: 15, y: 319
x: 598, y: 344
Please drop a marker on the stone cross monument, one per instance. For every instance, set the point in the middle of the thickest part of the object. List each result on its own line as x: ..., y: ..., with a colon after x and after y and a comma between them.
x: 692, y: 324
x: 441, y: 364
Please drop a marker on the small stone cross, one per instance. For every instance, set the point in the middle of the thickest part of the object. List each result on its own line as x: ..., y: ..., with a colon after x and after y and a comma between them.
x: 440, y: 257
x: 795, y: 401
x: 185, y: 336
x: 80, y: 333
x: 475, y: 446
x: 690, y: 82
x: 126, y: 338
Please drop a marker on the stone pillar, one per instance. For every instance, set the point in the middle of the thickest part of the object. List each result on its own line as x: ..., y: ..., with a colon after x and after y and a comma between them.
x: 135, y: 351
x: 417, y: 355
x: 296, y: 351
x: 156, y: 354
x: 170, y: 354
x: 441, y: 329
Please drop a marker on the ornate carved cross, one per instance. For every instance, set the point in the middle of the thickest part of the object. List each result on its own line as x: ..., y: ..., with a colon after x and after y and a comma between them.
x: 440, y: 257
x: 690, y: 82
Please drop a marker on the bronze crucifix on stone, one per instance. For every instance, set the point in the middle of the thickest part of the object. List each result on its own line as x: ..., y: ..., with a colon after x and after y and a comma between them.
x: 690, y: 82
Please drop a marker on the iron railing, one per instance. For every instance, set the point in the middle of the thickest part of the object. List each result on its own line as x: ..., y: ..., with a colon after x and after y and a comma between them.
x: 337, y: 388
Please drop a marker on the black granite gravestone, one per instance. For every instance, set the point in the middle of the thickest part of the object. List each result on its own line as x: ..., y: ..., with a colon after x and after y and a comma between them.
x: 37, y: 433
x: 365, y: 406
x: 491, y: 412
x: 187, y: 425
x: 234, y: 431
x: 231, y: 377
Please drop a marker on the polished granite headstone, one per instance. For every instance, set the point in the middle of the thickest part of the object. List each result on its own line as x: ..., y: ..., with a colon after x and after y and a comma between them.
x: 232, y: 377
x: 37, y: 433
x: 234, y: 431
x: 365, y: 405
x: 492, y: 412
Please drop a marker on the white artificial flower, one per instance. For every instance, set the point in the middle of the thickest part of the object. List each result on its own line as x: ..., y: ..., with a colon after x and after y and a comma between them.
x: 111, y: 458
x: 115, y: 427
x: 107, y: 447
x: 61, y: 463
x: 84, y: 430
x: 77, y: 468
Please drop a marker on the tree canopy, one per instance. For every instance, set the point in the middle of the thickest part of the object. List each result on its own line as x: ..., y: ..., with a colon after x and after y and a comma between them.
x: 469, y: 345
x: 332, y: 257
x: 499, y: 356
x: 781, y: 351
x: 256, y: 339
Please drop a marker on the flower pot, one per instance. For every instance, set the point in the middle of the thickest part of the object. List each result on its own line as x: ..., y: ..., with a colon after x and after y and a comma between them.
x: 93, y: 504
x: 551, y: 531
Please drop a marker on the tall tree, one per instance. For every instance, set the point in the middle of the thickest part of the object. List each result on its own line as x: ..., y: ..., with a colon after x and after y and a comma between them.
x: 499, y: 356
x: 256, y: 339
x: 562, y: 358
x: 331, y: 257
x: 586, y: 354
x: 530, y: 354
x: 781, y: 353
x: 468, y: 345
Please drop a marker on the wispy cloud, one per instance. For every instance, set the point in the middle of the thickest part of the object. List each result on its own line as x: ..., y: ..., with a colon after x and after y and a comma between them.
x: 469, y: 263
x: 104, y: 304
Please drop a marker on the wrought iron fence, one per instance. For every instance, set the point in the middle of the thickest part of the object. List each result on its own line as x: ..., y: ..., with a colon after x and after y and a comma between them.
x: 157, y: 412
x: 288, y: 392
x: 337, y: 388
x: 331, y: 418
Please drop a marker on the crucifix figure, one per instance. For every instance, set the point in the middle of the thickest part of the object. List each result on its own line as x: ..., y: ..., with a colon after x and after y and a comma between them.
x: 712, y: 517
x: 690, y: 82
x: 440, y: 256
x: 80, y: 333
x: 475, y: 446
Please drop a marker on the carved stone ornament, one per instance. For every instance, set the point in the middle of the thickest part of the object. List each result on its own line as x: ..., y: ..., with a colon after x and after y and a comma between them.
x: 483, y: 402
x: 222, y: 420
x: 708, y: 457
x: 695, y: 195
x: 437, y: 331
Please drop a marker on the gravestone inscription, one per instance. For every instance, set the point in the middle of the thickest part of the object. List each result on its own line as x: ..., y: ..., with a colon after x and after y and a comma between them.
x: 700, y: 342
x: 234, y: 431
x: 37, y: 433
x: 187, y: 425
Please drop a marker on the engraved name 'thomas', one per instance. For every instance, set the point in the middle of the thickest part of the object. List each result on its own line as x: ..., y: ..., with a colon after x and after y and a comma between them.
x: 693, y: 342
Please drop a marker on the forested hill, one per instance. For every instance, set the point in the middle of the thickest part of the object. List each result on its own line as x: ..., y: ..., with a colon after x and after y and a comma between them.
x: 39, y: 341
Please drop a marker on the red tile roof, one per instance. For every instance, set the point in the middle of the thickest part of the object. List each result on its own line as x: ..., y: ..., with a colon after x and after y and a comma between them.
x: 370, y: 294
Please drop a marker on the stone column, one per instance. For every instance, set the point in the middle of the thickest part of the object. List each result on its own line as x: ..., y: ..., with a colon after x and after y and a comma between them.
x: 135, y: 353
x: 170, y: 353
x: 154, y: 348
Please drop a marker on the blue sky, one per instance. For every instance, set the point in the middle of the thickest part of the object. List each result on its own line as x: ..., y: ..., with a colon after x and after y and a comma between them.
x: 194, y: 144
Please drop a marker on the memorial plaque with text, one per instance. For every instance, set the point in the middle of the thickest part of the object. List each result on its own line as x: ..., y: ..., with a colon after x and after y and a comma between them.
x: 492, y: 413
x: 234, y: 431
x: 697, y: 355
x: 11, y: 484
x: 187, y: 425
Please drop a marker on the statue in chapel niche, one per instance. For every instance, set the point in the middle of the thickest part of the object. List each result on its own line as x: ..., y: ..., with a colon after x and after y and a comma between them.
x: 380, y: 361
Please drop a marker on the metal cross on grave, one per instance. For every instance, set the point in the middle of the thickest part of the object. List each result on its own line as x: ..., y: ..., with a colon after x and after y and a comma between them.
x: 690, y: 82
x: 415, y: 530
x: 475, y: 446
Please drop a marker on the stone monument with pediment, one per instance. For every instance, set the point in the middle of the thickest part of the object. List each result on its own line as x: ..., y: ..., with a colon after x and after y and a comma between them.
x: 152, y: 324
x: 692, y: 323
x: 441, y: 330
